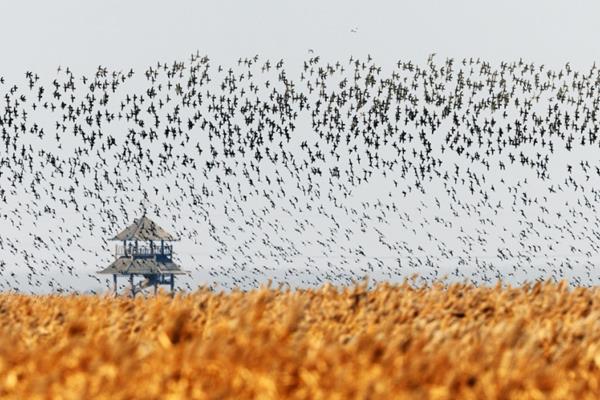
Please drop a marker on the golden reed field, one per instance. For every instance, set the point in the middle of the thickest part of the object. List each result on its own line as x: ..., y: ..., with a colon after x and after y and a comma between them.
x: 444, y: 341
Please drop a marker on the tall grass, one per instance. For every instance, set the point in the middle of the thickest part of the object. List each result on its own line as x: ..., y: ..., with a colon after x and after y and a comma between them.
x: 457, y: 341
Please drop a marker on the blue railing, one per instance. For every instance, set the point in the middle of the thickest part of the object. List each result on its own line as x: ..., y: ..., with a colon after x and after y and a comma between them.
x: 143, y: 251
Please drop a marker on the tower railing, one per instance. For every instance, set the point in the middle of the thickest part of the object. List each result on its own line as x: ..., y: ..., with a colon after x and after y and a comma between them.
x: 143, y: 251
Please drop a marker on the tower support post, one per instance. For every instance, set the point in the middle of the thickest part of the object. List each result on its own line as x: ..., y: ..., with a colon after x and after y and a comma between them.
x: 132, y: 286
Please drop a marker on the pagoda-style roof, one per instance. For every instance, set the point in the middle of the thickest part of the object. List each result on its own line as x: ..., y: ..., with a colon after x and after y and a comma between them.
x: 141, y: 266
x: 144, y: 229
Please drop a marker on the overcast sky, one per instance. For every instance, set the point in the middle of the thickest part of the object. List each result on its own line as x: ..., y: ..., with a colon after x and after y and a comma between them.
x: 42, y: 35
x: 83, y: 34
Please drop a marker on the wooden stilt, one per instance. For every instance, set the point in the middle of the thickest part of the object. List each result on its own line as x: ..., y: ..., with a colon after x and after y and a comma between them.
x: 172, y: 284
x: 132, y: 286
x: 115, y: 283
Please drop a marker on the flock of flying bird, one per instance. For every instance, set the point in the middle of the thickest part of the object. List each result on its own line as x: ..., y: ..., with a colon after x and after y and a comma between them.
x: 319, y: 172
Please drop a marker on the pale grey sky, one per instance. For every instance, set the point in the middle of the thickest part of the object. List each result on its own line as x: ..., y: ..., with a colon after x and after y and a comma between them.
x: 41, y: 35
x: 83, y: 34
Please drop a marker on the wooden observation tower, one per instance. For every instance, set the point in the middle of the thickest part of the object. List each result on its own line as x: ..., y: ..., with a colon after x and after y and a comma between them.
x: 146, y: 253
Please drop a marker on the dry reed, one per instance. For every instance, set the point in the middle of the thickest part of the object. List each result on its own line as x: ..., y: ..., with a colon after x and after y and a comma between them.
x: 437, y: 342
